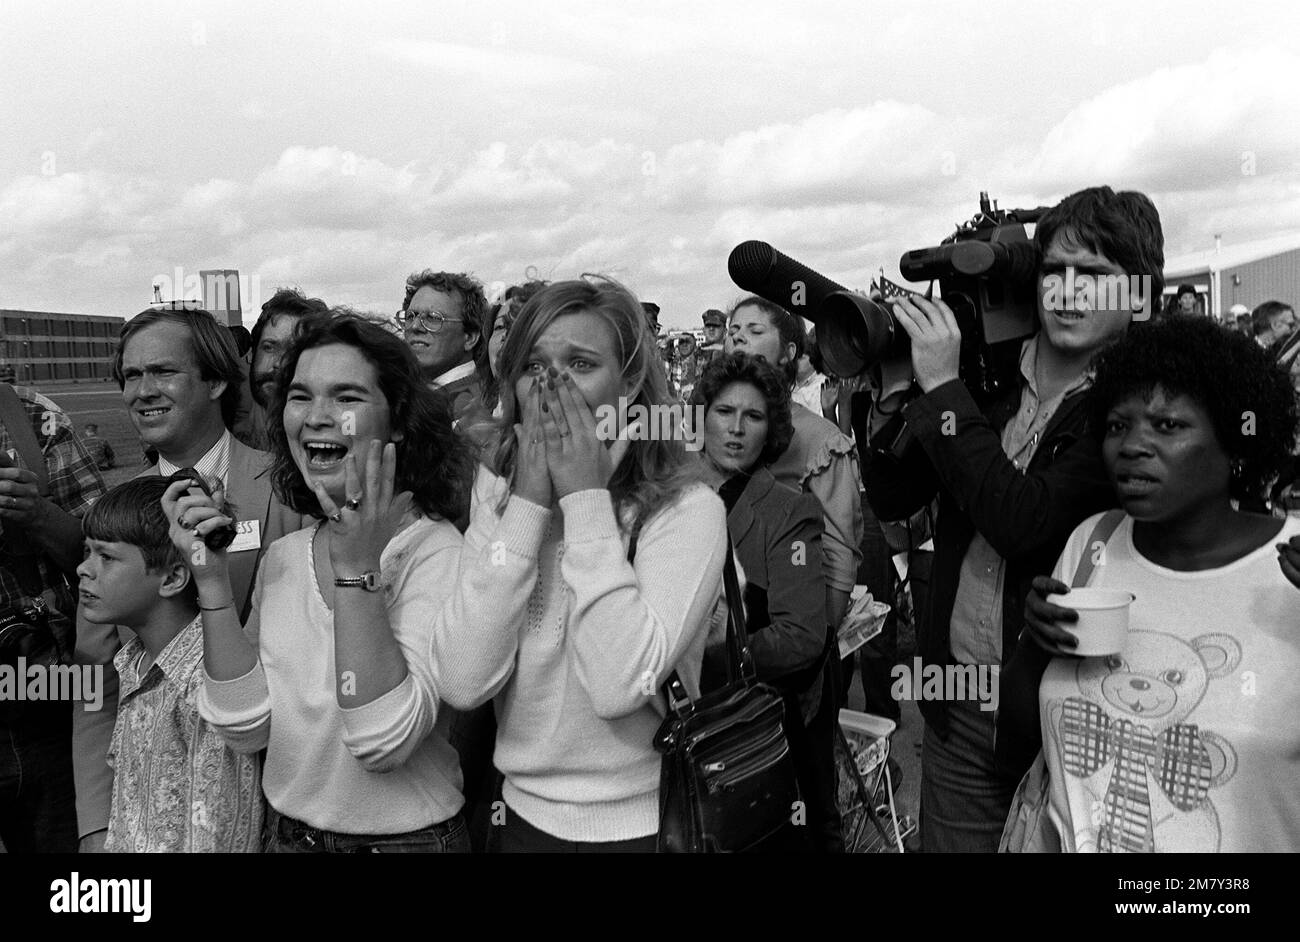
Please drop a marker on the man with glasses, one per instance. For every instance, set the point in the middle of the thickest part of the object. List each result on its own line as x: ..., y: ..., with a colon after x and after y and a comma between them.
x: 442, y: 319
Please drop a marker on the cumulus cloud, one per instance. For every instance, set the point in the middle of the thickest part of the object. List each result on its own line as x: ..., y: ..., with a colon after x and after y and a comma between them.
x: 840, y: 156
x: 1195, y: 126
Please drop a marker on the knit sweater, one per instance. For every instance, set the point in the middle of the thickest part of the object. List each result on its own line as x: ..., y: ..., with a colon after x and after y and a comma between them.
x: 382, y: 768
x: 574, y: 642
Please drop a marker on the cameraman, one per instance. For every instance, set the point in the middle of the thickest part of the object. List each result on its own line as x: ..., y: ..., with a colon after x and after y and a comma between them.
x: 47, y: 481
x: 1013, y: 480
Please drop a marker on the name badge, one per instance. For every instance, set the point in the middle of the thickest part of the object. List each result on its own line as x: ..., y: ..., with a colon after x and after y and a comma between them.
x: 248, y: 536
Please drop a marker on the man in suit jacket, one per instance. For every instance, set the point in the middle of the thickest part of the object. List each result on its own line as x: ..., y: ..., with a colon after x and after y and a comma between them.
x: 180, y: 376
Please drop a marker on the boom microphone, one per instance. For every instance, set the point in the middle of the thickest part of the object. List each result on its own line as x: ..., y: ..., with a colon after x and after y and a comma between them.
x: 853, y: 331
x: 757, y: 267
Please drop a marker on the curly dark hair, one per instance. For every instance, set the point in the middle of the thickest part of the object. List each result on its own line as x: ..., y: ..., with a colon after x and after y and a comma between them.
x: 1224, y: 372
x: 763, y: 376
x: 434, y: 462
x: 473, y: 302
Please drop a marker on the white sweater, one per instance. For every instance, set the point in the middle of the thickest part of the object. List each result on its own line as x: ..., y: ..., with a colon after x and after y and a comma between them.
x: 382, y: 768
x: 574, y: 642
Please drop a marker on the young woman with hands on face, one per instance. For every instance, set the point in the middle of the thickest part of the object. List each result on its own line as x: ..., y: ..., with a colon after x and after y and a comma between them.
x: 331, y: 674
x: 551, y: 618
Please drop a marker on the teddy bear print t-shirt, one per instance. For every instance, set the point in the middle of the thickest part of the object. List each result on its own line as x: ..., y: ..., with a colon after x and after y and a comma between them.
x: 1189, y: 740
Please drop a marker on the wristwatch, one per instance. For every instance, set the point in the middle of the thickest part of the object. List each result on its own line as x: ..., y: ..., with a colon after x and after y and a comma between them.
x: 367, y: 580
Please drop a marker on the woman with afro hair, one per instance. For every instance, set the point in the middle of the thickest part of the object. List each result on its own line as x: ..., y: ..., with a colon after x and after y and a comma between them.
x: 1188, y: 738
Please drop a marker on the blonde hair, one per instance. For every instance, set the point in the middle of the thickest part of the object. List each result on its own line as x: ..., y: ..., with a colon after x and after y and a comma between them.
x: 652, y: 473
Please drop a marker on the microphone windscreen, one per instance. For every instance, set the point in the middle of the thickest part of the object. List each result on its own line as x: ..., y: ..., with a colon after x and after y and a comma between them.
x: 756, y: 266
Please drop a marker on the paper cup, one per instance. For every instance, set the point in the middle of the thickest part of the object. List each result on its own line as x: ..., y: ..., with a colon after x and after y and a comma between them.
x: 1103, y: 619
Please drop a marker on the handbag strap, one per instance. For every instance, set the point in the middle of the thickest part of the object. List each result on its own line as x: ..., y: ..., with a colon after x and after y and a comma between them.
x: 1101, y: 533
x: 740, y: 662
x: 19, y: 426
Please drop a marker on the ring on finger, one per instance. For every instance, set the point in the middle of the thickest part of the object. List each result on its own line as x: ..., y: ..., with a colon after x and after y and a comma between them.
x: 352, y: 503
x: 337, y: 516
x: 181, y: 522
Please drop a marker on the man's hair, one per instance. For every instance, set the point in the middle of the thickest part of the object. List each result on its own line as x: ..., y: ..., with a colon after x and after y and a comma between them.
x: 789, y: 328
x: 132, y: 513
x: 1224, y: 372
x: 434, y: 462
x: 243, y: 339
x: 1124, y: 227
x: 473, y: 302
x: 92, y: 428
x: 213, y: 347
x: 1185, y: 289
x: 1261, y: 319
x: 770, y: 383
x: 289, y: 302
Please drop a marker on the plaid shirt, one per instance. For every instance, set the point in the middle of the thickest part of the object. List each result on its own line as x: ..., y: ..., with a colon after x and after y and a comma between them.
x: 75, y: 483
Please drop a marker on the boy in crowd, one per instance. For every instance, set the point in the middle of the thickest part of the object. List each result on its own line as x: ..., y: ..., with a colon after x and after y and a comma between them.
x: 176, y: 786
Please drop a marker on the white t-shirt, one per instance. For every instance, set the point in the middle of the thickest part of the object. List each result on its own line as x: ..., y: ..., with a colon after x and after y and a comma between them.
x: 1189, y: 740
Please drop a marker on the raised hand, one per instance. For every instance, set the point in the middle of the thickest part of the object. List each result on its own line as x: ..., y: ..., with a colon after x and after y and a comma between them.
x: 532, y: 479
x: 371, y: 513
x: 192, y: 515
x: 577, y: 458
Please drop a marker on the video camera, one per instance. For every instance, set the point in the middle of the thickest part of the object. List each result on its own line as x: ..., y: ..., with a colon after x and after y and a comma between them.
x: 987, y: 273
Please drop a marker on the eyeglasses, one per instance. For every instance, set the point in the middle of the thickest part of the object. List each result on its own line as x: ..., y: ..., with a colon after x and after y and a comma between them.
x: 430, y: 321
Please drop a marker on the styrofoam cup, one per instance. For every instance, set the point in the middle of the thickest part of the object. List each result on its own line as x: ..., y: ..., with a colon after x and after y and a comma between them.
x: 1103, y: 619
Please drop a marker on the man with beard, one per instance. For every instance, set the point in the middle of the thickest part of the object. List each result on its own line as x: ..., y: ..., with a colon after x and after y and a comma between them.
x: 270, y: 337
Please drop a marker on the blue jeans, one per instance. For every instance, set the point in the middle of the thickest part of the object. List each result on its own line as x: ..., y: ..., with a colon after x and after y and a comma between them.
x: 38, y: 808
x: 964, y: 802
x: 285, y: 835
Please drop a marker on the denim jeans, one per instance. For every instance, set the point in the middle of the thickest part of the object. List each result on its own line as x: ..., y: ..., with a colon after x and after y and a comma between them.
x: 517, y: 836
x: 38, y: 808
x: 284, y: 835
x: 964, y: 801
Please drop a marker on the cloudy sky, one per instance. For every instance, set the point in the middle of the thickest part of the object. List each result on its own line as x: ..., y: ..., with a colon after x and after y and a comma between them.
x: 340, y: 146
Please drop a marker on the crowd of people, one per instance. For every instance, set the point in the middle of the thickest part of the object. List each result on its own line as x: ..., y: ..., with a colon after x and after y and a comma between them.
x: 399, y: 589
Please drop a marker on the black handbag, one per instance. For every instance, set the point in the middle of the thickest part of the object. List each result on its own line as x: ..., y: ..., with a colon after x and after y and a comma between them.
x: 727, y: 780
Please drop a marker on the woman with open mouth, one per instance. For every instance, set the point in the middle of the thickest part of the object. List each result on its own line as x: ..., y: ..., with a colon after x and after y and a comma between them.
x: 777, y: 534
x: 331, y: 674
x: 1188, y: 737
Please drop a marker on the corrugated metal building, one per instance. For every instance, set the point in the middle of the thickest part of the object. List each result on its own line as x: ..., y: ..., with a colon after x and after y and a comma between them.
x: 45, y: 347
x: 1250, y: 273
